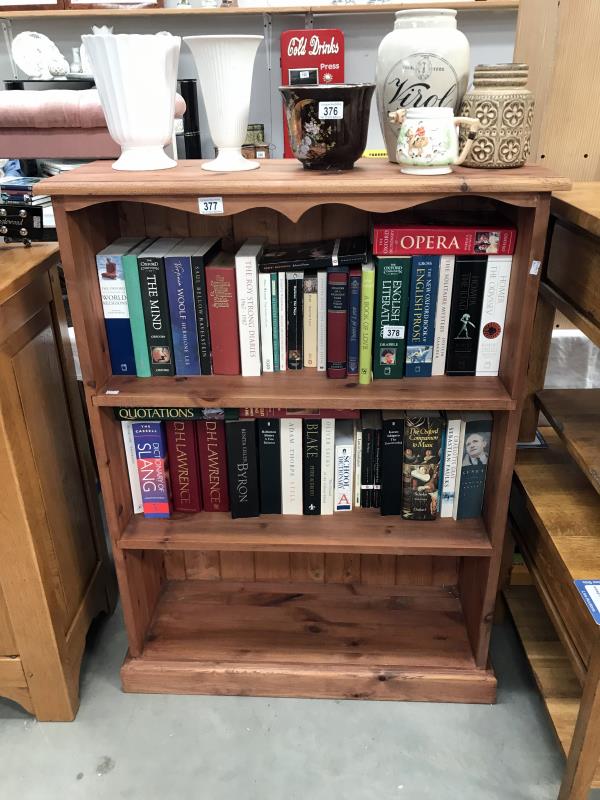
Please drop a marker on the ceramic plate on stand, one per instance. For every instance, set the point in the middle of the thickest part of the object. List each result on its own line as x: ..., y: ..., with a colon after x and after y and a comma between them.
x: 33, y: 53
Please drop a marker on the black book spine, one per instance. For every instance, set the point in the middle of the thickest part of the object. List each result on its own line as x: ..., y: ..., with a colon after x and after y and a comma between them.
x: 311, y: 466
x: 478, y: 434
x: 376, y: 496
x: 295, y: 316
x: 242, y: 468
x: 366, y: 468
x: 153, y: 287
x: 392, y: 436
x: 199, y: 279
x: 465, y: 314
x: 269, y: 463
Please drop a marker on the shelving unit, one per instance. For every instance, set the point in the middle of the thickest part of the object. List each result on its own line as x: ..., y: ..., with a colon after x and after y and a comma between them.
x: 355, y: 606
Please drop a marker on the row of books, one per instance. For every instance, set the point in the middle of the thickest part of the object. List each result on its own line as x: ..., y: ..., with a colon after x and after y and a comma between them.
x: 426, y: 303
x: 263, y: 461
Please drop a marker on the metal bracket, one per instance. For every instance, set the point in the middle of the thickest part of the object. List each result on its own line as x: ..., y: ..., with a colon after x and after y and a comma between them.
x: 6, y: 26
x: 268, y: 29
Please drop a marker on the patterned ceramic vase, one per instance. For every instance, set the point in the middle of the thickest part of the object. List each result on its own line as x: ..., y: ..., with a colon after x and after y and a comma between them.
x: 503, y: 105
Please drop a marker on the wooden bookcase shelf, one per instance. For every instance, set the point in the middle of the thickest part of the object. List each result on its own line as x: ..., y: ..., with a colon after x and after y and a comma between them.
x: 354, y: 606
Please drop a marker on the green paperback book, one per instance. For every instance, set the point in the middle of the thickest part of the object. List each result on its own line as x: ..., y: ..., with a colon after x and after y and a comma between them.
x: 365, y: 344
x: 136, y: 311
x: 275, y: 319
x: 392, y: 286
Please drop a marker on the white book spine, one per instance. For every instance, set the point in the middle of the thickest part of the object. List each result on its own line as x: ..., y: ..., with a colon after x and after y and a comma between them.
x: 450, y: 466
x: 291, y: 466
x: 282, y: 322
x: 344, y: 473
x: 491, y: 332
x: 442, y: 315
x: 134, y: 481
x: 327, y: 465
x: 266, y: 321
x: 357, y: 466
x: 246, y: 279
x: 321, y: 320
x: 461, y: 444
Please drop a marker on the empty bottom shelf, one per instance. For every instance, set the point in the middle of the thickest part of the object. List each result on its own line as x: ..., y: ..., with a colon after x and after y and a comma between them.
x: 299, y: 640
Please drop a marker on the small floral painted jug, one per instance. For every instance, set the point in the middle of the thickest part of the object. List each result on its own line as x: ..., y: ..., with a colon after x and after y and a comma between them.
x: 428, y: 140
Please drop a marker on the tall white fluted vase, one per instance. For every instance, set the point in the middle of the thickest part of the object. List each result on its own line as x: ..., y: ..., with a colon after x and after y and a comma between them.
x: 136, y: 77
x: 225, y: 65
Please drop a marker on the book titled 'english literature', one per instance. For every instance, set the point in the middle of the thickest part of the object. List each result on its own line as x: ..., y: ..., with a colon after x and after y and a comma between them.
x: 243, y: 468
x: 184, y: 469
x: 392, y: 279
x: 222, y: 315
x: 396, y: 240
x: 311, y: 466
x: 424, y: 279
x: 269, y: 465
x: 151, y: 459
x: 213, y: 464
x: 465, y: 315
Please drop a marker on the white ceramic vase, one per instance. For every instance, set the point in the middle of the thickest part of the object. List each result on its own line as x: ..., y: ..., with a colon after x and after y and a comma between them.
x: 225, y: 65
x: 136, y: 77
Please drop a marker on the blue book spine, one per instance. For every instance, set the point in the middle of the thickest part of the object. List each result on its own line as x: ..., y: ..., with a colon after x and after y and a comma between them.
x: 151, y: 459
x: 425, y: 276
x: 116, y: 314
x: 354, y: 283
x: 182, y: 310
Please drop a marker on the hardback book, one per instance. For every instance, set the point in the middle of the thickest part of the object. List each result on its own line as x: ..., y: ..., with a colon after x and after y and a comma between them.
x: 371, y: 459
x: 311, y: 466
x: 450, y: 466
x: 282, y: 294
x: 136, y: 310
x: 184, y: 466
x: 421, y: 464
x: 354, y: 284
x: 366, y: 466
x: 151, y: 458
x: 377, y: 465
x: 442, y: 315
x: 113, y: 290
x: 392, y: 437
x: 400, y: 240
x: 474, y: 457
x: 291, y: 466
x: 424, y: 280
x: 337, y: 322
x: 310, y: 319
x: 274, y: 278
x: 242, y: 466
x: 300, y: 413
x: 367, y: 306
x: 493, y: 313
x: 166, y: 414
x: 461, y: 444
x: 295, y: 314
x: 269, y: 465
x: 344, y: 466
x: 266, y: 323
x: 222, y: 315
x: 207, y: 248
x: 392, y: 282
x: 314, y: 255
x: 213, y: 464
x: 327, y: 464
x: 131, y: 457
x: 357, y: 464
x: 153, y: 286
x: 465, y: 315
x: 246, y: 276
x: 182, y: 307
x: 321, y: 321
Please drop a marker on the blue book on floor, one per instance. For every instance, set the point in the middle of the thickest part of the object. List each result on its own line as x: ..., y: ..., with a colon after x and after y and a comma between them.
x: 182, y: 308
x: 424, y: 279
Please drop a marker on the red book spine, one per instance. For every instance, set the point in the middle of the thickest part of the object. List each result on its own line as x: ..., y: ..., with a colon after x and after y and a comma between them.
x: 182, y: 447
x: 223, y: 320
x: 337, y: 324
x: 213, y: 464
x: 302, y: 413
x: 402, y: 240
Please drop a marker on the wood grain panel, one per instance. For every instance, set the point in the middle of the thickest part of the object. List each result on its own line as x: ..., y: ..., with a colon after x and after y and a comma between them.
x: 7, y: 639
x: 580, y: 286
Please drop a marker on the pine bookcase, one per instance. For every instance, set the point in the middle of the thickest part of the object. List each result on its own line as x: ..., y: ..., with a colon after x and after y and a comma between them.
x: 356, y: 605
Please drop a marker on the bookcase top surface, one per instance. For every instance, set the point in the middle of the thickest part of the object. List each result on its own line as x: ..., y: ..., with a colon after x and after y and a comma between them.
x: 286, y: 177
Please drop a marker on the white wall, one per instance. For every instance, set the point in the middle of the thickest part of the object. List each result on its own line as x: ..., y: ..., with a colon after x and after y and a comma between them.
x: 490, y: 33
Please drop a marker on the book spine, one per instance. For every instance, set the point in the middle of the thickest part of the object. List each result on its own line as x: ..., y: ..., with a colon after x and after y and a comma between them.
x: 406, y: 240
x: 461, y: 443
x: 310, y: 305
x: 421, y: 316
x: 222, y: 314
x: 465, y: 315
x: 269, y: 462
x: 246, y: 277
x: 300, y: 413
x: 266, y: 322
x: 344, y: 469
x: 475, y: 456
x: 321, y: 321
x: 491, y: 329
x: 354, y: 284
x: 366, y: 474
x: 327, y: 464
x: 376, y: 494
x: 391, y: 304
x: 151, y: 458
x: 202, y: 323
x: 213, y: 464
x: 337, y: 323
x: 311, y: 466
x: 116, y: 314
x: 282, y: 295
x: 450, y: 466
x: 180, y: 291
x: 442, y: 315
x: 291, y: 466
x: 182, y: 447
x: 295, y: 295
x: 421, y: 467
x: 367, y: 305
x: 240, y: 436
x: 130, y: 455
x: 136, y: 316
x: 275, y: 321
x: 358, y: 442
x: 156, y: 314
x: 391, y: 466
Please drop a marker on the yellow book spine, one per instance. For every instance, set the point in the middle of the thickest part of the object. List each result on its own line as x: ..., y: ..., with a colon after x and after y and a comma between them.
x: 367, y: 304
